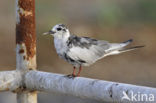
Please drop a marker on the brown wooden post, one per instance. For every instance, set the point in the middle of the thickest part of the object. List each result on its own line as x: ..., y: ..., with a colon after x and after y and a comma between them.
x: 25, y: 45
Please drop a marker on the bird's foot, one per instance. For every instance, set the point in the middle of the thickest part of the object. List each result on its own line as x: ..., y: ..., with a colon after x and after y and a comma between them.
x: 71, y: 76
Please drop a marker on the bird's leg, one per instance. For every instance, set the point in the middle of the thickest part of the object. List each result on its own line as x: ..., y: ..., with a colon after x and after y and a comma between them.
x: 73, y: 74
x: 74, y: 71
x: 78, y: 74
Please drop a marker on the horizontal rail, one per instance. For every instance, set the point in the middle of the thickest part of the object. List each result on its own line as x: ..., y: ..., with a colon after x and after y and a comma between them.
x: 10, y: 80
x: 88, y: 88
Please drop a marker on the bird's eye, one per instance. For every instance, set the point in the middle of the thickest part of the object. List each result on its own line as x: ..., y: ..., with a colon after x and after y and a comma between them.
x: 58, y: 29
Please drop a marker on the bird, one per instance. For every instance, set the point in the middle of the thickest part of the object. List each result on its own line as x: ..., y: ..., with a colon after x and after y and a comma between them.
x: 84, y: 51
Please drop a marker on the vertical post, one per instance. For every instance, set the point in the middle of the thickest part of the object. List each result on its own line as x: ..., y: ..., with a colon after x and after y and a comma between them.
x: 25, y: 45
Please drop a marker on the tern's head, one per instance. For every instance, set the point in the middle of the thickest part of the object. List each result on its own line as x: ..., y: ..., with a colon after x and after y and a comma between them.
x: 59, y: 31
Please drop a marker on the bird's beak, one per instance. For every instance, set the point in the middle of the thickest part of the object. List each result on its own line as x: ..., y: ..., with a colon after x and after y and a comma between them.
x: 49, y: 32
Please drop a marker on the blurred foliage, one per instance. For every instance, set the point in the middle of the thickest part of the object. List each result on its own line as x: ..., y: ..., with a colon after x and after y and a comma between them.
x: 142, y: 11
x: 105, y: 12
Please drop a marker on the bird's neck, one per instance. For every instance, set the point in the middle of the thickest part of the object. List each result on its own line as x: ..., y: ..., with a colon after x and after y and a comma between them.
x: 61, y: 43
x: 66, y: 36
x: 62, y: 37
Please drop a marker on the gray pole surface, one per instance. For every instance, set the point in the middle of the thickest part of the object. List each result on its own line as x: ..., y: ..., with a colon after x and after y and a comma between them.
x: 90, y: 88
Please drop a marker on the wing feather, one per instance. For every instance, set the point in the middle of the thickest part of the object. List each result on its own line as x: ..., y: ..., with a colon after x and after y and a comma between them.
x: 91, y: 50
x: 88, y: 50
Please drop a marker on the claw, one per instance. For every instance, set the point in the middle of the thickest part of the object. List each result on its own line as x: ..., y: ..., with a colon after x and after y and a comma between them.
x: 71, y: 76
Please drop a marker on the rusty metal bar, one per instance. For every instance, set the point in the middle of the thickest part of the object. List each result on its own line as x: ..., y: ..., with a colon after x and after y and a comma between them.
x: 25, y: 34
x: 25, y: 44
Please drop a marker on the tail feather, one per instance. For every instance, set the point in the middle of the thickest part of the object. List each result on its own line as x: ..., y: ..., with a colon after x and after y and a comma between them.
x: 121, y: 48
x: 125, y: 43
x: 130, y: 48
x: 118, y: 46
x: 128, y: 41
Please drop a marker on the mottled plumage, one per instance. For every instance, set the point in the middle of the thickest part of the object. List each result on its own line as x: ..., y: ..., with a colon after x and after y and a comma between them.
x: 84, y: 51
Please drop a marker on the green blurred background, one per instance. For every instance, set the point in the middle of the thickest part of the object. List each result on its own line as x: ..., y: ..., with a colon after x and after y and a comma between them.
x: 112, y: 20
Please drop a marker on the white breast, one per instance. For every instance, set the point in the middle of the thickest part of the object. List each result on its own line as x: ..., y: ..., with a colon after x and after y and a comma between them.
x: 60, y: 45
